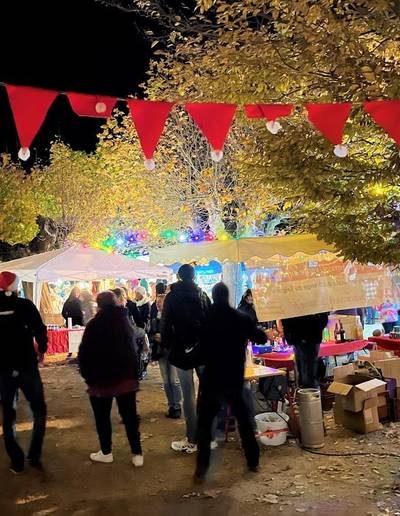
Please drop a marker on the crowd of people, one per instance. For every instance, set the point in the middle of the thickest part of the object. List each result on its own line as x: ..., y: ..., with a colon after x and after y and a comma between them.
x: 182, y: 330
x: 185, y: 332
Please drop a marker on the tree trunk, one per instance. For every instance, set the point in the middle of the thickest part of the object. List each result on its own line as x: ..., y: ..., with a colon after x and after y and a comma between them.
x: 49, y: 237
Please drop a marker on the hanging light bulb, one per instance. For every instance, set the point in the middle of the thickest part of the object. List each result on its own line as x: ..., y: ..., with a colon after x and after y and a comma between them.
x: 273, y: 126
x: 149, y: 164
x: 340, y: 150
x: 100, y: 107
x: 24, y: 153
x: 217, y: 155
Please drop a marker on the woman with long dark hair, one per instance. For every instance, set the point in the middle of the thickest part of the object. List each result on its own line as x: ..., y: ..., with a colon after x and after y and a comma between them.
x: 108, y: 363
x: 72, y: 308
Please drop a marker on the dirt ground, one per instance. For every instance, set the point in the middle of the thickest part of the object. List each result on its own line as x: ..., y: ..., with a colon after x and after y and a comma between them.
x: 291, y: 480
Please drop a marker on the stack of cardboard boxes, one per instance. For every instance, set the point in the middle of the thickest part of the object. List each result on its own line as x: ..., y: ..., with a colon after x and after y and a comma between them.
x: 361, y: 400
x: 356, y: 399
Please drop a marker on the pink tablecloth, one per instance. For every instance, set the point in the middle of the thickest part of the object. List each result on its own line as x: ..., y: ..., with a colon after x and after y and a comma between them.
x: 58, y: 341
x: 327, y: 349
x: 387, y: 343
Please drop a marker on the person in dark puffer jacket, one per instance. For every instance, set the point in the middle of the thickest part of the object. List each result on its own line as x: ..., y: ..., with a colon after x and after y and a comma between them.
x: 183, y: 325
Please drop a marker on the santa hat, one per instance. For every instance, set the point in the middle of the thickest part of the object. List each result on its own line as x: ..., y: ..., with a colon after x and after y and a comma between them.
x: 141, y: 290
x: 8, y: 281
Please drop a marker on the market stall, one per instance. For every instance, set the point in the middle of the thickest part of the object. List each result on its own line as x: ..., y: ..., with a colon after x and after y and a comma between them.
x: 51, y: 271
x: 289, y: 275
x: 79, y: 263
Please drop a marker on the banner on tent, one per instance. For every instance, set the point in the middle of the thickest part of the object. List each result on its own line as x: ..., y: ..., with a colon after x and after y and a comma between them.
x: 294, y: 289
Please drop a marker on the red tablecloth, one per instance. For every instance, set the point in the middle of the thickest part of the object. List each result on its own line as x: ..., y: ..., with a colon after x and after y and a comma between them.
x: 327, y: 349
x: 387, y: 343
x: 58, y: 341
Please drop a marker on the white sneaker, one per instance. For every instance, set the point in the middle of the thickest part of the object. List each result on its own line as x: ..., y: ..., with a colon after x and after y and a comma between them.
x: 184, y: 446
x: 213, y: 445
x: 137, y: 461
x: 100, y: 457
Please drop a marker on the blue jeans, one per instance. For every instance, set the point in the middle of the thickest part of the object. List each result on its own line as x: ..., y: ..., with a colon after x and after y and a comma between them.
x: 31, y: 385
x: 189, y: 402
x: 172, y: 386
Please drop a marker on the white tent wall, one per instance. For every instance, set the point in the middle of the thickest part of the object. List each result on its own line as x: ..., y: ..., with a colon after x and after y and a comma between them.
x: 37, y: 293
x: 231, y: 276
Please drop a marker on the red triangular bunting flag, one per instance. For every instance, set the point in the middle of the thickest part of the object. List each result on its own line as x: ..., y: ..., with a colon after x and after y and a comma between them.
x: 214, y: 121
x: 149, y: 117
x: 98, y: 106
x: 268, y: 111
x: 29, y: 107
x: 330, y: 119
x: 386, y: 113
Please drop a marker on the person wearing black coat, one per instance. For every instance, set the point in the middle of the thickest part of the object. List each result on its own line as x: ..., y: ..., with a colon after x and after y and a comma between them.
x: 172, y: 388
x: 246, y: 305
x: 73, y: 308
x: 133, y: 311
x: 20, y: 323
x: 225, y: 345
x: 183, y: 324
x: 108, y: 363
x: 161, y: 289
x: 304, y: 333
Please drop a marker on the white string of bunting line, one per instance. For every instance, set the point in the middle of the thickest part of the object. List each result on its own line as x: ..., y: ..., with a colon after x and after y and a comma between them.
x: 30, y: 105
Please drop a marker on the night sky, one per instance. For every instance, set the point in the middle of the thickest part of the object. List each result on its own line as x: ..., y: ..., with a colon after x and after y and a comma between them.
x: 75, y: 45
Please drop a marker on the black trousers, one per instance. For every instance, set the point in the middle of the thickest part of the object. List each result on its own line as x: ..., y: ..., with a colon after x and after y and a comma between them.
x: 31, y: 385
x: 127, y: 410
x: 307, y: 363
x: 210, y: 403
x: 388, y: 326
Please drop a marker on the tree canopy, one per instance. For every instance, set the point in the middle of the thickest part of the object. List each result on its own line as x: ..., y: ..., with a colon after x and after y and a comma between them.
x: 298, y: 51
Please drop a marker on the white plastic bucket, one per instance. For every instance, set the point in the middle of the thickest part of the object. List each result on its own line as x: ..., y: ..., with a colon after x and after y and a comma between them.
x: 272, y: 428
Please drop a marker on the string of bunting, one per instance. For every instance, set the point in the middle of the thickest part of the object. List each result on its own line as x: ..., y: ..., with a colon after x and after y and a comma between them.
x: 30, y: 106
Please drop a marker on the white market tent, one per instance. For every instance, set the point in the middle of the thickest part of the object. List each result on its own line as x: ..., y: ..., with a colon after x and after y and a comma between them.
x: 79, y: 263
x: 256, y: 251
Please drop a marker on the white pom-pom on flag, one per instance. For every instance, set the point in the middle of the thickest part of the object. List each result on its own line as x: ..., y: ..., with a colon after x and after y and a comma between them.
x: 273, y: 126
x: 24, y: 153
x: 100, y: 107
x: 340, y: 150
x: 149, y: 164
x: 217, y: 155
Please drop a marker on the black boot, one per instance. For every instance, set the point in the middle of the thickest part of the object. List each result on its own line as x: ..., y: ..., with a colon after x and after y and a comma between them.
x: 173, y: 413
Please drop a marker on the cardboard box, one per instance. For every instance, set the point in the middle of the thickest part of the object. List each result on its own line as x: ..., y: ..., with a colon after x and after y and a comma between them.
x: 379, y: 355
x: 390, y: 368
x: 342, y: 371
x: 363, y: 422
x: 384, y: 413
x: 382, y: 400
x: 354, y: 389
x: 351, y: 325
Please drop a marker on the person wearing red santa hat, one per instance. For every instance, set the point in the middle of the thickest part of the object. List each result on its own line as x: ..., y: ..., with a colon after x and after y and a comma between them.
x: 20, y: 323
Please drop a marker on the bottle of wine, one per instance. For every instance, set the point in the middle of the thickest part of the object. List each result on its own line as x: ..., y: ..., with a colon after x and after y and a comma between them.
x: 337, y: 332
x: 342, y: 333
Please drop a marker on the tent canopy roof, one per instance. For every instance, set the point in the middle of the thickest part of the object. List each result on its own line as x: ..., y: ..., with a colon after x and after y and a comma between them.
x: 81, y: 263
x: 257, y: 251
